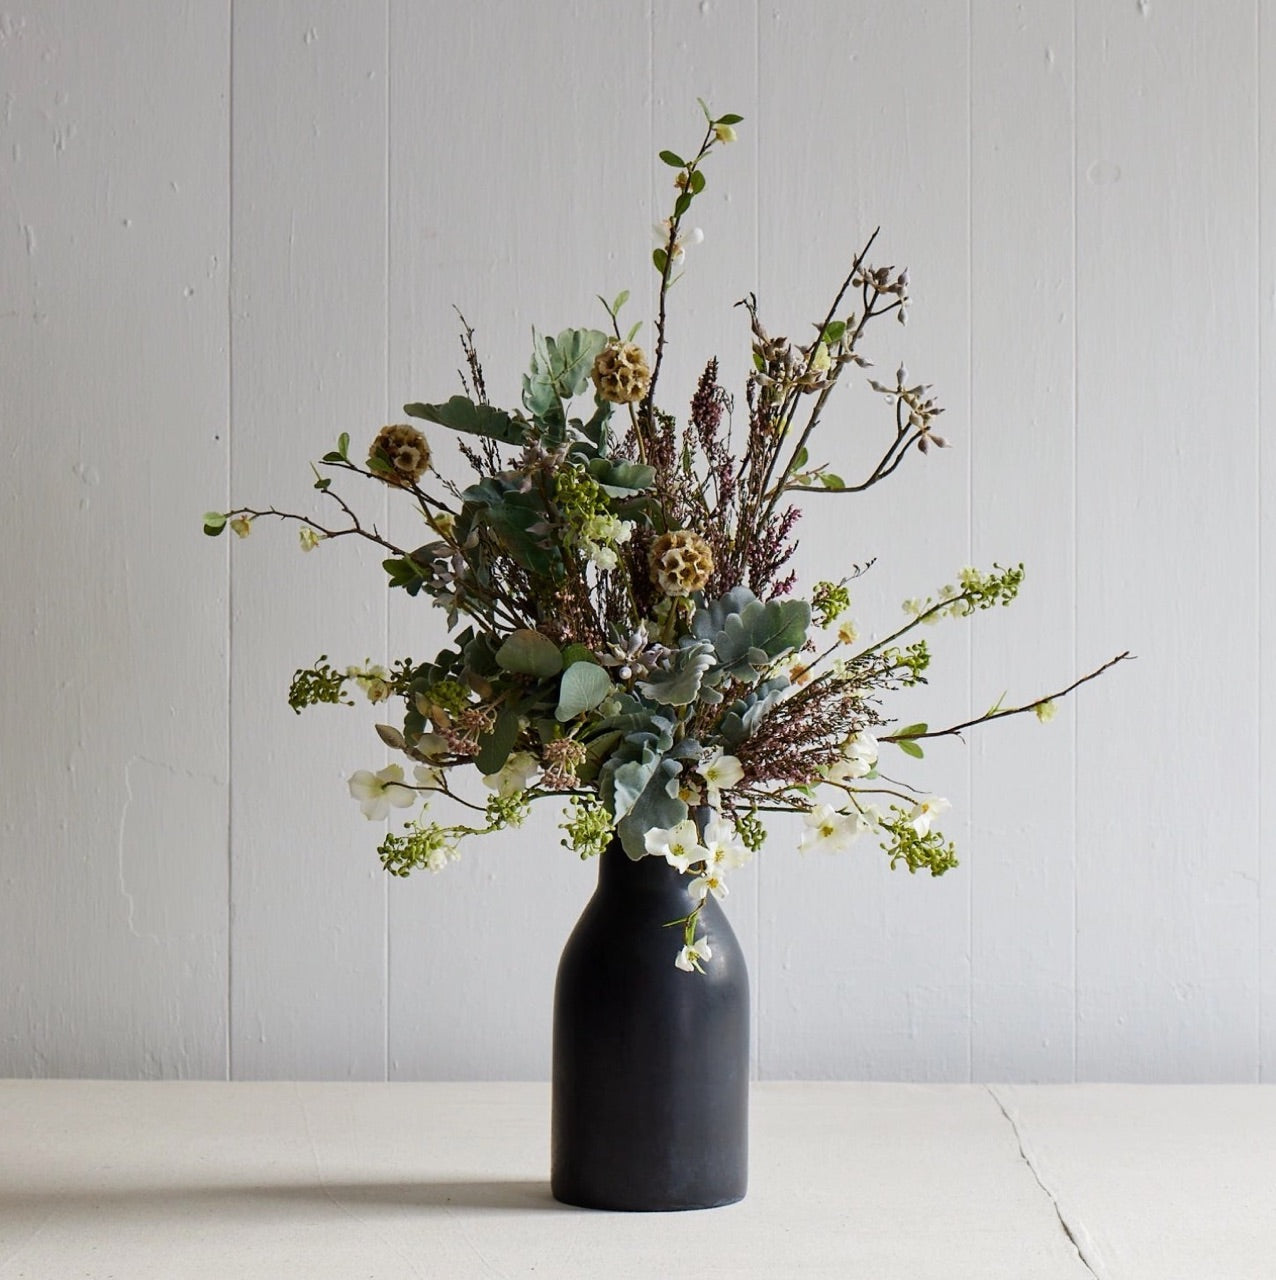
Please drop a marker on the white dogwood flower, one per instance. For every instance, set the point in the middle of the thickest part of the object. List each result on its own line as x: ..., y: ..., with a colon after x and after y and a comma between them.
x: 723, y: 848
x: 514, y: 775
x: 679, y: 845
x: 859, y: 756
x: 925, y: 812
x: 709, y: 881
x: 719, y: 772
x: 376, y: 792
x: 690, y: 956
x: 827, y: 830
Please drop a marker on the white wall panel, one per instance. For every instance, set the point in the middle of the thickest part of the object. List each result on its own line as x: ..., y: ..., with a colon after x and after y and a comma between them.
x: 1021, y: 868
x: 867, y: 970
x: 229, y: 232
x: 1263, y: 566
x: 113, y: 229
x: 1167, y: 917
x: 309, y: 241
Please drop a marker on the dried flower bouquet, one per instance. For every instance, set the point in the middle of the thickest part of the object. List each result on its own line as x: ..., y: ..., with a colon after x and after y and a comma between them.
x: 632, y: 642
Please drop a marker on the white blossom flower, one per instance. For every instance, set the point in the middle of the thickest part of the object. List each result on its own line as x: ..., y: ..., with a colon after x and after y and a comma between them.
x: 859, y: 756
x: 241, y: 526
x: 847, y: 633
x: 1046, y: 711
x: 428, y: 776
x: 376, y: 792
x: 925, y: 812
x: 690, y: 956
x: 719, y: 772
x: 709, y: 881
x: 680, y: 245
x: 309, y: 538
x: 430, y: 744
x: 724, y: 132
x: 514, y: 775
x: 679, y: 845
x: 828, y: 830
x: 724, y: 850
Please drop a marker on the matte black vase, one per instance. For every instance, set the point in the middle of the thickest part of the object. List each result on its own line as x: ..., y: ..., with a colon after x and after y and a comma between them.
x: 651, y: 1064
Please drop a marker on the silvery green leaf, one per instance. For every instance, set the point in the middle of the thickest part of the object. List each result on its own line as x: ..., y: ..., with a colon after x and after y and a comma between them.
x: 759, y: 633
x: 582, y: 688
x: 528, y: 653
x: 658, y: 805
x: 712, y: 617
x: 679, y: 683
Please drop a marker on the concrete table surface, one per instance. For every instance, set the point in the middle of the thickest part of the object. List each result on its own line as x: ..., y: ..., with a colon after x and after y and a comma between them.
x: 389, y: 1181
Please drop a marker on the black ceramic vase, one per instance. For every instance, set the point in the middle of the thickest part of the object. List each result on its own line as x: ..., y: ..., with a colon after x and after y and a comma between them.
x: 651, y: 1063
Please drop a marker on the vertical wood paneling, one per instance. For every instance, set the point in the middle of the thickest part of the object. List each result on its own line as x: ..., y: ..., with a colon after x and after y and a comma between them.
x: 1166, y: 527
x: 1265, y: 564
x: 309, y: 208
x: 710, y: 52
x: 1021, y: 445
x: 378, y: 162
x: 518, y: 193
x: 864, y: 122
x: 113, y: 228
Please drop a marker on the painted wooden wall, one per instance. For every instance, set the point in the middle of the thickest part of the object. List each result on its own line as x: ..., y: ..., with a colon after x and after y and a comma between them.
x: 229, y: 231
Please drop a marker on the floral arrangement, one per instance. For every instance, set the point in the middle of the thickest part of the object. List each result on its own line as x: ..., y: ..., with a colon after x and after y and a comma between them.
x: 632, y: 643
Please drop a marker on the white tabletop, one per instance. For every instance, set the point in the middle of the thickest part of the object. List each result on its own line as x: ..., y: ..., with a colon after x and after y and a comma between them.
x: 878, y: 1181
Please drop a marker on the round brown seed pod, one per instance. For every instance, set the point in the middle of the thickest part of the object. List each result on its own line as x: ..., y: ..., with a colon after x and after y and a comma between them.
x: 405, y: 449
x: 620, y: 373
x: 681, y: 562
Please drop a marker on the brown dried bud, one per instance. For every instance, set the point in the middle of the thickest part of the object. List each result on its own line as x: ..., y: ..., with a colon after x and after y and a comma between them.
x: 681, y: 562
x: 621, y: 374
x: 405, y: 449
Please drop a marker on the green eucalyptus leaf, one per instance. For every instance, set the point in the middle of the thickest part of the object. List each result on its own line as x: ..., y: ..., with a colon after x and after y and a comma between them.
x: 728, y: 119
x: 495, y: 747
x: 622, y: 479
x: 673, y: 160
x: 343, y: 445
x: 661, y: 260
x: 696, y: 183
x: 462, y: 414
x: 214, y: 522
x: 629, y: 337
x: 911, y: 730
x: 528, y: 653
x: 833, y: 331
x: 621, y: 298
x: 682, y: 204
x: 910, y: 748
x: 831, y: 481
x: 582, y: 688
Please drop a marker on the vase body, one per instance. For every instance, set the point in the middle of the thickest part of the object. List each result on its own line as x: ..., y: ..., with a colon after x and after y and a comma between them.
x: 651, y: 1064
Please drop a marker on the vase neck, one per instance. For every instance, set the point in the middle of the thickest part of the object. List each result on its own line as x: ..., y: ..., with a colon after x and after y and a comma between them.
x: 618, y: 871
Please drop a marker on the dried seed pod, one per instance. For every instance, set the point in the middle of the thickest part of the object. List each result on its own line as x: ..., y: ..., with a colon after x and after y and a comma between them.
x: 405, y: 449
x: 681, y: 562
x: 621, y: 374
